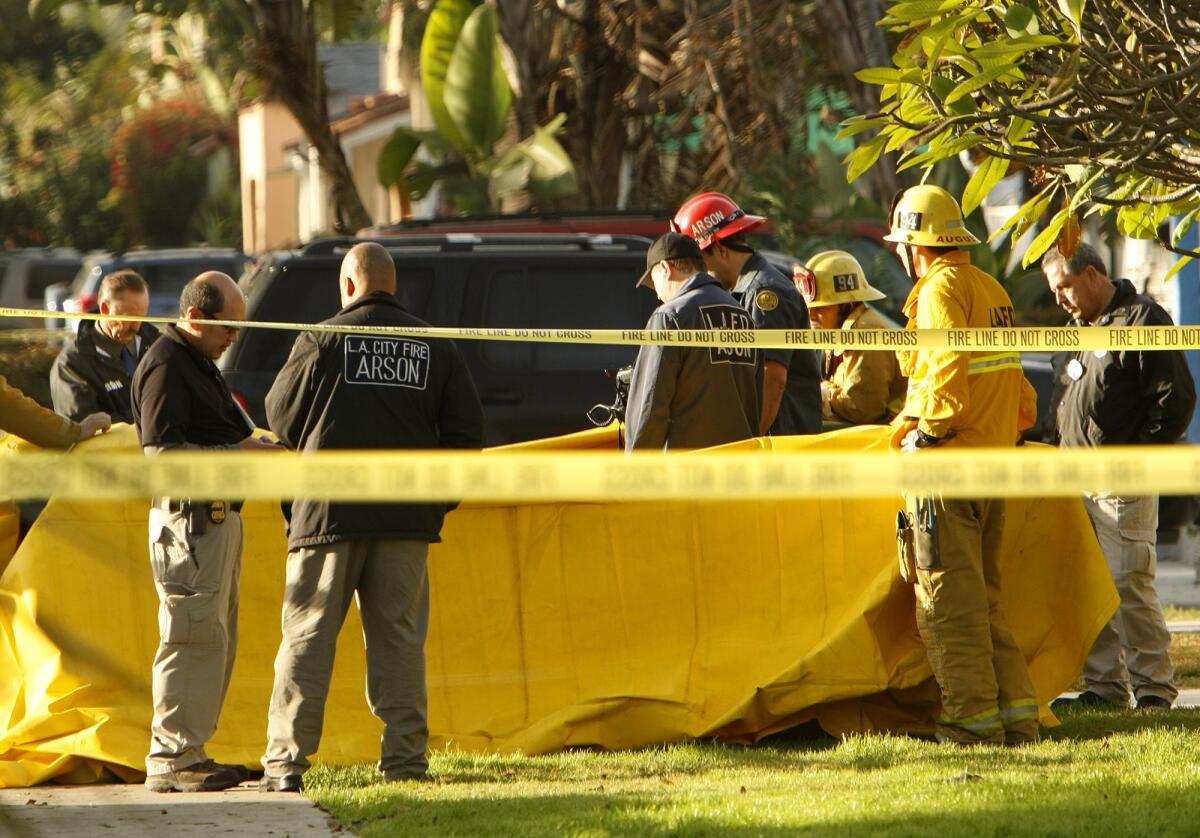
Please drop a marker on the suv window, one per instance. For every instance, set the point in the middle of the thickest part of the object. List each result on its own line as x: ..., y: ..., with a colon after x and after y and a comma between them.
x: 166, y: 279
x: 560, y: 298
x: 44, y: 274
x: 310, y: 295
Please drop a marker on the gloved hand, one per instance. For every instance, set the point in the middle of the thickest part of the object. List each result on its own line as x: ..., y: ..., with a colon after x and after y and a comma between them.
x: 909, y: 438
x: 917, y: 439
x: 826, y: 392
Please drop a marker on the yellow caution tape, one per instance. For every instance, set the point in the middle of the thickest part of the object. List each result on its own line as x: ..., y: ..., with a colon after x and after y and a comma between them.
x: 1029, y: 471
x: 1013, y: 339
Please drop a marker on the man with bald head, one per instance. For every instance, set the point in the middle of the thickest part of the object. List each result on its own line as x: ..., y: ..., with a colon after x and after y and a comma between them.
x: 181, y: 402
x: 362, y: 391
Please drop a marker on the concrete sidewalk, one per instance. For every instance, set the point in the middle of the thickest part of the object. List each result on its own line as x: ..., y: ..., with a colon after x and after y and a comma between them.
x: 129, y: 811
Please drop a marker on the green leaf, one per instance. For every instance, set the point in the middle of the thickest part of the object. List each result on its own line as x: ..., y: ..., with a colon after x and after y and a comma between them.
x: 1011, y: 48
x: 1072, y: 10
x: 437, y: 47
x: 424, y: 175
x: 915, y: 11
x: 882, y: 75
x: 857, y: 124
x: 1066, y: 77
x: 1138, y: 221
x: 1046, y: 238
x: 942, y: 148
x: 1183, y: 225
x: 539, y: 162
x: 1131, y: 185
x: 1027, y: 215
x: 1020, y: 20
x: 1176, y: 268
x: 982, y: 80
x: 1084, y: 190
x: 898, y: 136
x: 1017, y: 129
x: 395, y: 156
x: 510, y: 174
x: 864, y: 157
x: 477, y: 95
x: 983, y: 180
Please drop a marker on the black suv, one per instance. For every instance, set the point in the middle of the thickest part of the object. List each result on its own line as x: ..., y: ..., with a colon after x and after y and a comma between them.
x: 529, y: 390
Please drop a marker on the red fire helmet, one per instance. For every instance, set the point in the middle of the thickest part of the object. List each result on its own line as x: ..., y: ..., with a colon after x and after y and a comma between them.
x: 711, y: 217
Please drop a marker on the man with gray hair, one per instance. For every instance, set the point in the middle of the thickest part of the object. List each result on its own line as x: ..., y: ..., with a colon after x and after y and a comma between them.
x: 94, y: 371
x: 1129, y: 397
x: 340, y: 391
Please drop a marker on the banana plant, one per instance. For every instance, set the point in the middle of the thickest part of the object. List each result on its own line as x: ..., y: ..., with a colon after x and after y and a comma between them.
x: 469, y: 96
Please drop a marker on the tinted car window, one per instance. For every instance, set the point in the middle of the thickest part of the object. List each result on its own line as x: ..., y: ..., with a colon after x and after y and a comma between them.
x: 310, y: 296
x: 43, y: 275
x: 562, y: 298
x: 166, y: 279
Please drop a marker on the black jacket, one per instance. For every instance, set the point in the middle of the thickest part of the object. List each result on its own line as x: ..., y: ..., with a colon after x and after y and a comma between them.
x: 689, y: 396
x: 87, y: 377
x: 774, y: 303
x: 1124, y: 398
x: 340, y: 391
x: 180, y: 400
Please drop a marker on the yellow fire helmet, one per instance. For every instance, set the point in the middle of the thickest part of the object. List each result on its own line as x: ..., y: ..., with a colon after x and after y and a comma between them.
x: 835, y: 277
x: 928, y: 216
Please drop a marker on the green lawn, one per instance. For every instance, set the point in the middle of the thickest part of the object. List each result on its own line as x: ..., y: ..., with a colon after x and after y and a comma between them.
x: 1180, y: 612
x: 1099, y: 774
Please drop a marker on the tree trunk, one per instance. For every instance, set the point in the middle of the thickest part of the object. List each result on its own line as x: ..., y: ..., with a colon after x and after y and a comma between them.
x: 285, y: 60
x: 599, y: 139
x: 855, y: 42
x: 516, y: 29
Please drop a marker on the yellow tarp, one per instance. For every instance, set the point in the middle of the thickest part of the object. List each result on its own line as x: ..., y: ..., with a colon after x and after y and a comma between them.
x: 614, y: 625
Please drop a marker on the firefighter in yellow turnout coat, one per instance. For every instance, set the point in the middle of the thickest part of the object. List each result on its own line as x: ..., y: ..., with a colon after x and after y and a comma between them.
x: 858, y: 386
x: 950, y: 549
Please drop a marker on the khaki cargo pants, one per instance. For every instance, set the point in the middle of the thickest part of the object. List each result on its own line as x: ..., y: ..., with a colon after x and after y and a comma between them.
x: 1130, y: 656
x: 987, y: 696
x: 196, y: 575
x: 390, y: 581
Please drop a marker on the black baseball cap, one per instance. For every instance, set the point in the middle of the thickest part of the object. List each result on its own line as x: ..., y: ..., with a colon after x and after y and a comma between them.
x: 670, y: 246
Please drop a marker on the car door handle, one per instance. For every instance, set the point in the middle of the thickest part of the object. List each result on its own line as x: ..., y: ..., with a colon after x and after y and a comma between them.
x: 501, y: 397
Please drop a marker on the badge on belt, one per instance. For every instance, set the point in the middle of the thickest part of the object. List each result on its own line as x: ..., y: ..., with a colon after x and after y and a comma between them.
x: 216, y: 511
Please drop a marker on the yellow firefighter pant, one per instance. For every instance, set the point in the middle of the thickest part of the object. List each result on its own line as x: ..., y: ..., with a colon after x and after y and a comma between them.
x: 987, y: 696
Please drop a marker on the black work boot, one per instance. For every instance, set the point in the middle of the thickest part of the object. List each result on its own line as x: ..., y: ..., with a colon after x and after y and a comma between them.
x: 1153, y: 702
x: 286, y: 782
x: 1086, y: 700
x: 203, y: 776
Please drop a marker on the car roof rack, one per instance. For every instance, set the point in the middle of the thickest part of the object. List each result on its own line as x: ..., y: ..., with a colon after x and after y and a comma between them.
x: 656, y: 214
x: 467, y: 242
x: 173, y: 252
